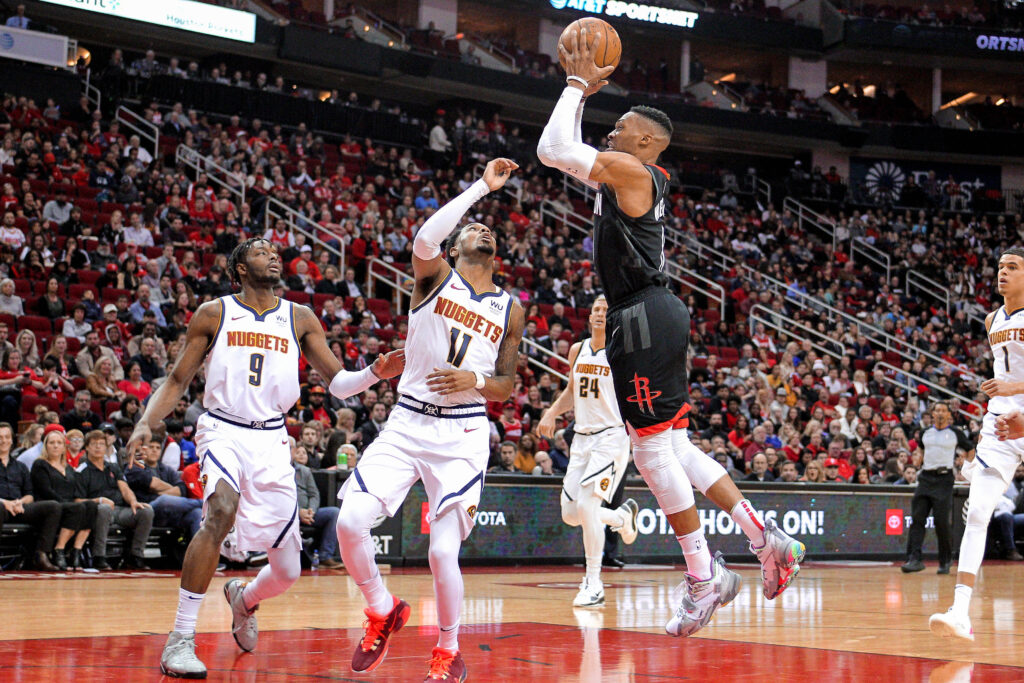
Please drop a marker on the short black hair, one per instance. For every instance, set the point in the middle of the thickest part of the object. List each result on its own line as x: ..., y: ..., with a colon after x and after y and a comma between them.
x: 238, y: 255
x: 656, y: 115
x: 1013, y: 251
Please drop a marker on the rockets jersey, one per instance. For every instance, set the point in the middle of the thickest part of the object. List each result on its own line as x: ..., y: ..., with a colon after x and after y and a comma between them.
x: 252, y: 370
x: 1006, y: 336
x: 454, y: 327
x: 593, y: 392
x: 629, y: 253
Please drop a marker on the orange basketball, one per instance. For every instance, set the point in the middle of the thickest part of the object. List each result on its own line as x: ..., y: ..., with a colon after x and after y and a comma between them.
x: 611, y: 47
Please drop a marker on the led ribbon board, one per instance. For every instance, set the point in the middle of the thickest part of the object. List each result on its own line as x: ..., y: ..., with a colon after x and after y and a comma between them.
x: 186, y: 15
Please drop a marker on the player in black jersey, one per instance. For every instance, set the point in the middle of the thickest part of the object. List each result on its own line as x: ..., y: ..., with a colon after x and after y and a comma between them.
x: 649, y: 328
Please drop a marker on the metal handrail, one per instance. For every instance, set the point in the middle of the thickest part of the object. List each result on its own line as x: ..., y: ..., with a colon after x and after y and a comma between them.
x: 763, y: 188
x: 756, y: 316
x: 380, y: 23
x: 278, y: 210
x: 871, y: 253
x: 707, y: 288
x: 827, y: 226
x: 928, y: 286
x: 400, y: 283
x: 91, y: 92
x: 547, y: 352
x: 204, y: 164
x: 931, y: 385
x: 140, y: 126
x: 872, y: 333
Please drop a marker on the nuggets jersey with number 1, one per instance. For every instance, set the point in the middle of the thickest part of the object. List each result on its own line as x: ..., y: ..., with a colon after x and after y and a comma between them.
x: 456, y: 328
x: 252, y: 371
x: 1006, y: 335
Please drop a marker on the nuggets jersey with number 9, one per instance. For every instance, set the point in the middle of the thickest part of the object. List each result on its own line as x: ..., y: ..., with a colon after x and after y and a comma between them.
x: 457, y: 328
x: 1006, y: 335
x: 252, y: 370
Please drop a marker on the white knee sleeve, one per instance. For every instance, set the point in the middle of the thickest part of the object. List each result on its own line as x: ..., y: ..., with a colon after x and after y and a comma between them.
x: 445, y: 542
x: 282, y: 570
x: 986, y: 488
x: 702, y: 470
x: 359, y: 511
x: 655, y: 458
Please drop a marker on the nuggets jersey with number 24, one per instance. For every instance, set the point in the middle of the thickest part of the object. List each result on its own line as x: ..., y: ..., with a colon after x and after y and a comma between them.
x: 252, y: 370
x: 454, y: 327
x: 1006, y: 336
x: 593, y: 391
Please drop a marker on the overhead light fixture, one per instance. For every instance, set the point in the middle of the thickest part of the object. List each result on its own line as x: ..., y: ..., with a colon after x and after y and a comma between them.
x: 728, y: 78
x: 1000, y: 101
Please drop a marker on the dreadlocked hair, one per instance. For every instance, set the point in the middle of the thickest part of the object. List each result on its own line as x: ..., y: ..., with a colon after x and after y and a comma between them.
x: 238, y: 255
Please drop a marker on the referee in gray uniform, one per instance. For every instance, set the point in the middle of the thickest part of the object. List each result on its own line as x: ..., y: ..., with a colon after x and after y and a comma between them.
x: 935, y: 488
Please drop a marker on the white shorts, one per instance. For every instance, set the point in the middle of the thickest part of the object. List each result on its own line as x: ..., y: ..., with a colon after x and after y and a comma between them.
x: 1002, y: 456
x: 256, y: 463
x: 448, y: 454
x: 598, y: 459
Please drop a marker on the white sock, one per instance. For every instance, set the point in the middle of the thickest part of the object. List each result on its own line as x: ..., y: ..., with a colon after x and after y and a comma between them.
x: 377, y: 596
x: 448, y: 638
x: 743, y: 514
x: 695, y: 550
x: 188, y: 611
x: 962, y: 599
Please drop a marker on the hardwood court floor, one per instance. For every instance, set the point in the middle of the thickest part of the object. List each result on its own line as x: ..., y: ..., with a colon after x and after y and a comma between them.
x: 836, y: 623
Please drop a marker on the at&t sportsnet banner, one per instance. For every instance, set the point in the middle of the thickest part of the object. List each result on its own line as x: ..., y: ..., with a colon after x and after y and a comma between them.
x: 516, y: 522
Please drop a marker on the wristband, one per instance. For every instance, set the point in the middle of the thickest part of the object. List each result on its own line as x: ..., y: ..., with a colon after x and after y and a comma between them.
x: 480, y: 380
x: 578, y: 79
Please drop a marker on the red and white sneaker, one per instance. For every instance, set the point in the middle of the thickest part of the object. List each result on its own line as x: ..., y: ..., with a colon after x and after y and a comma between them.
x: 373, y: 647
x: 446, y: 665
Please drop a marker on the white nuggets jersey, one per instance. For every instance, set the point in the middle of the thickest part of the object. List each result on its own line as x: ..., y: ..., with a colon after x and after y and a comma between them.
x: 252, y: 370
x: 1006, y: 336
x: 593, y: 392
x: 454, y: 327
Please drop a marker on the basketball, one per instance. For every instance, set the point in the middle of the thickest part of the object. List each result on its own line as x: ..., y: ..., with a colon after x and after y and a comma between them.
x: 611, y: 49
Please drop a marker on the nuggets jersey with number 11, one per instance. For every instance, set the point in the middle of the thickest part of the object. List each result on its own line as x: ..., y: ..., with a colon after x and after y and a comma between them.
x: 457, y: 328
x: 252, y: 371
x: 1006, y: 336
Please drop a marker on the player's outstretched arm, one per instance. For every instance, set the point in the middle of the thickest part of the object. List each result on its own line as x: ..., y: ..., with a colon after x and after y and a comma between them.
x: 201, y: 331
x: 428, y: 264
x: 497, y: 387
x: 564, y: 402
x: 313, y: 343
x: 559, y: 148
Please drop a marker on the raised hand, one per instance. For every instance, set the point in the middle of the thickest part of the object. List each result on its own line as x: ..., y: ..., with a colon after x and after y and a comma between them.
x: 498, y: 171
x: 579, y: 61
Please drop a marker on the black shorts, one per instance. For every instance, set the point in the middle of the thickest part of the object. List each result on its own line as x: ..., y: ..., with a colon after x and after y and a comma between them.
x: 648, y: 337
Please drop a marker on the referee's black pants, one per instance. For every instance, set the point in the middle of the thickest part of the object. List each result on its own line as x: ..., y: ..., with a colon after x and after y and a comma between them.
x: 934, y: 493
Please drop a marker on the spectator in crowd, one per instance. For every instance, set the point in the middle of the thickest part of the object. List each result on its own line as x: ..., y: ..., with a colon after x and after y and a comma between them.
x: 54, y: 479
x: 161, y: 487
x: 77, y: 326
x: 506, y: 459
x: 103, y: 482
x: 759, y: 468
x: 81, y: 416
x: 101, y: 383
x: 20, y: 506
x: 9, y: 301
x: 322, y: 519
x: 18, y: 19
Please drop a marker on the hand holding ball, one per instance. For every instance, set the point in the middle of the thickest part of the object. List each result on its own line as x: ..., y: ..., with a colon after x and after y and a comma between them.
x: 590, y: 49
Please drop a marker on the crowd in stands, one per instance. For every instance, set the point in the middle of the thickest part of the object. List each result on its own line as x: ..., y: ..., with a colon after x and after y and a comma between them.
x: 963, y: 14
x: 107, y: 248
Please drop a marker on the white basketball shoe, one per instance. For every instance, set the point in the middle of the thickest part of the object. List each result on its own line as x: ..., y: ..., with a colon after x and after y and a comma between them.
x: 591, y: 594
x: 628, y: 531
x: 951, y: 624
x: 699, y: 598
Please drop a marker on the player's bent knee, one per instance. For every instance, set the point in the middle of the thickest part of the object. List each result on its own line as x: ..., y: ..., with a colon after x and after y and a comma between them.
x: 570, y: 513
